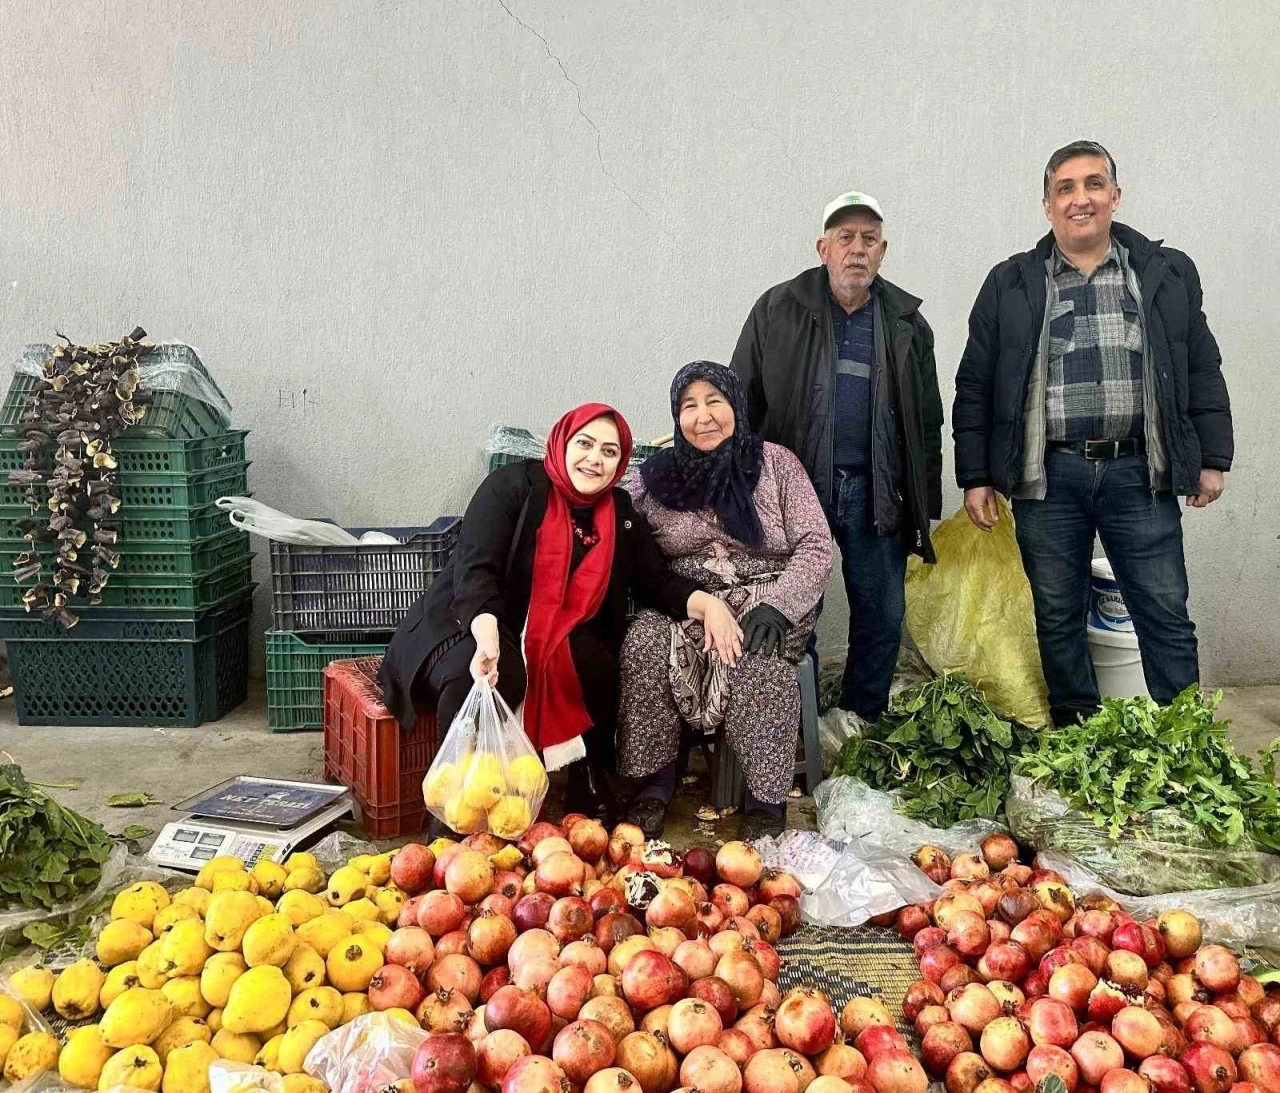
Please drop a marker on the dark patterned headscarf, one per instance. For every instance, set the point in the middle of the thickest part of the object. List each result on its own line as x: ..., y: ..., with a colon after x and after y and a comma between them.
x: 685, y: 479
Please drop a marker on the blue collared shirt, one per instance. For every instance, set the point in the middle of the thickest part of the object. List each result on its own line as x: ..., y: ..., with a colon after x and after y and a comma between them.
x: 855, y: 356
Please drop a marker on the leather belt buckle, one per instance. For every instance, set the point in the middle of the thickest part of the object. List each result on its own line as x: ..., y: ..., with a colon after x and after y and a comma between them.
x: 1102, y: 449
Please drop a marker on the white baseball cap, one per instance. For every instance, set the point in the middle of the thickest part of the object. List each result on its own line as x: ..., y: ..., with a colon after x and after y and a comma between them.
x: 854, y: 199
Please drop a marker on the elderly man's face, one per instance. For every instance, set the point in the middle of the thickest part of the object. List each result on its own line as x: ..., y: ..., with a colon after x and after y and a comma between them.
x: 1081, y: 202
x: 852, y: 250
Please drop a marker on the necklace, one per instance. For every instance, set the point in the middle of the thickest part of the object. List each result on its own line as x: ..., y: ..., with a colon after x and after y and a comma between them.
x: 586, y: 538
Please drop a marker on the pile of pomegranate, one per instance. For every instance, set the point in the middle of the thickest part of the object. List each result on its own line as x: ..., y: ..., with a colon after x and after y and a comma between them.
x: 1023, y: 982
x: 602, y: 963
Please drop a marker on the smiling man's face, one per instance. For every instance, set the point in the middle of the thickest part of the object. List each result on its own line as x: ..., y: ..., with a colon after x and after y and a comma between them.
x: 1080, y: 204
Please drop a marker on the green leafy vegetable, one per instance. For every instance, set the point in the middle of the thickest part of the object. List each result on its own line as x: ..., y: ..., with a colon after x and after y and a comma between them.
x: 942, y: 748
x: 1134, y: 758
x: 132, y: 800
x: 48, y: 854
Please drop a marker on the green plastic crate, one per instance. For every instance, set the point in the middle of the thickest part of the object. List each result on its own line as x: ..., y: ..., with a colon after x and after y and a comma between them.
x: 154, y: 592
x: 110, y: 623
x: 143, y: 455
x: 140, y: 525
x: 163, y: 489
x: 295, y: 673
x: 65, y: 678
x: 156, y: 563
x: 169, y: 414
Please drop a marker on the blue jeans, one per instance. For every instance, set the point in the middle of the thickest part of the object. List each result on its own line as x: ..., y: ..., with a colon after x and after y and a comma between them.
x: 1142, y: 535
x: 874, y: 567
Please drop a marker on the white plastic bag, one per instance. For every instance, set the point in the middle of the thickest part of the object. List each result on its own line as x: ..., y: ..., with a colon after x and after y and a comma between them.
x: 259, y: 519
x: 850, y: 809
x: 486, y: 775
x: 226, y: 1076
x: 371, y: 1052
x: 868, y: 880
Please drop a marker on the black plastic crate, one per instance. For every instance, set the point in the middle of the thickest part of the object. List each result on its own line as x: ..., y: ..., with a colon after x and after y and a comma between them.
x: 77, y: 678
x: 370, y: 586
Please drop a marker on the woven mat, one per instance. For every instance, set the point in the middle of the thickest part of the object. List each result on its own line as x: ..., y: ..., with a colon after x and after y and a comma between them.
x: 846, y: 962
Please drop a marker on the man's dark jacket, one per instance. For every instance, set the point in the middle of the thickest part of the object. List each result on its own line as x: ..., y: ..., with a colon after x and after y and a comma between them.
x: 1004, y: 336
x: 786, y: 362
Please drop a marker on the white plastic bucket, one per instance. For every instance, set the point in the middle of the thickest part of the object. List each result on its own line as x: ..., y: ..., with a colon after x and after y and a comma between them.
x: 1106, y: 606
x: 1117, y: 663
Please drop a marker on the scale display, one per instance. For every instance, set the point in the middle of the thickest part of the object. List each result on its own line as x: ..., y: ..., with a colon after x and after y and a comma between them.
x: 254, y: 819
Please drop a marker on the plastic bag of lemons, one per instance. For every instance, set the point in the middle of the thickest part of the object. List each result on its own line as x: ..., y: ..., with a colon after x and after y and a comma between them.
x: 486, y: 775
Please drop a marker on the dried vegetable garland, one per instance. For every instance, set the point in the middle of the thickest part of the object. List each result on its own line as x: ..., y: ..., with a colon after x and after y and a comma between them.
x: 86, y: 397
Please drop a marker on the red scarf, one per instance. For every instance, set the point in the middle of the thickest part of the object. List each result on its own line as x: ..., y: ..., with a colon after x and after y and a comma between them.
x: 554, y: 710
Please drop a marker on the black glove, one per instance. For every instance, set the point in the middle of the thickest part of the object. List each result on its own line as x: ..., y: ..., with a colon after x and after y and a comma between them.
x: 764, y: 629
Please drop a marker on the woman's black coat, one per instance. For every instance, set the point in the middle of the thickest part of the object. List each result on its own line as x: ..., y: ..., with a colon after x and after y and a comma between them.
x: 491, y: 570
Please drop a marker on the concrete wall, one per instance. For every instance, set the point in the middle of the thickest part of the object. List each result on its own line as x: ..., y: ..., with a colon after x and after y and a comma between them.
x: 386, y: 224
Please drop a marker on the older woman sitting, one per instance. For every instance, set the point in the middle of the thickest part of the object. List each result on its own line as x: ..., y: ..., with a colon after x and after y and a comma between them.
x: 740, y: 517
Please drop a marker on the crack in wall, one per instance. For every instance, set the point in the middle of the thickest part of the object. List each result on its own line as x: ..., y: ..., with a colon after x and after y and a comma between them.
x: 577, y: 90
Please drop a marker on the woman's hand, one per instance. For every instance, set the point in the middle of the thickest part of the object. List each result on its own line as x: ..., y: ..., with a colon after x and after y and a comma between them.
x: 723, y: 635
x: 484, y: 665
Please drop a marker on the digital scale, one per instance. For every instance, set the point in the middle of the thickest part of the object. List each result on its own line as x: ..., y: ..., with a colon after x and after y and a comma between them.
x: 254, y: 819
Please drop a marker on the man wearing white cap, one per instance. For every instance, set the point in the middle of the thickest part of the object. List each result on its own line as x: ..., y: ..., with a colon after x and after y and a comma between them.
x: 838, y: 366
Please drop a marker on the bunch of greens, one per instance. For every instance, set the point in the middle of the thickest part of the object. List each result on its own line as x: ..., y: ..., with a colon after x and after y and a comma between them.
x: 942, y: 748
x: 1134, y: 758
x: 48, y: 854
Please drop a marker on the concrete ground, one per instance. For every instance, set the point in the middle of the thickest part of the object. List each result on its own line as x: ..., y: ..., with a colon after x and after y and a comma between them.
x: 175, y: 763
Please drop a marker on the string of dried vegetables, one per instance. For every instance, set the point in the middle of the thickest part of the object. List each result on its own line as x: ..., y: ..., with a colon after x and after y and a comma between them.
x: 85, y: 398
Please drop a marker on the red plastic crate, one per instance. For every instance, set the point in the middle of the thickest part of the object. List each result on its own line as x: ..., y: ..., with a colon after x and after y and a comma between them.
x: 363, y: 750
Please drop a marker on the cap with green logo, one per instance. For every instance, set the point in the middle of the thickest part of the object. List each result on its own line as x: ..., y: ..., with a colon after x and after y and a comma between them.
x: 854, y: 199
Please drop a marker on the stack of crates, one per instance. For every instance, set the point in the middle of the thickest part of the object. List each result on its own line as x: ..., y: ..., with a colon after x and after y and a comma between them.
x: 341, y: 602
x: 168, y: 645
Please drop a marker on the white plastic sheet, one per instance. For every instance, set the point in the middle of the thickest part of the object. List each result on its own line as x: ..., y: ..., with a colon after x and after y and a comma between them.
x: 850, y: 809
x: 868, y: 879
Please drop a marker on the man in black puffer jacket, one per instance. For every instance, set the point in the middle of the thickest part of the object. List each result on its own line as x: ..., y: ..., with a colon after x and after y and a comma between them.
x: 837, y: 365
x: 1091, y: 393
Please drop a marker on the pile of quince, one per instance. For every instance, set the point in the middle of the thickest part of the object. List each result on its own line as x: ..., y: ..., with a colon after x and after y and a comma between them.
x: 252, y: 966
x: 481, y: 791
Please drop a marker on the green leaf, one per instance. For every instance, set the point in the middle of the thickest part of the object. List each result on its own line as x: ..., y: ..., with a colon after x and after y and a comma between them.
x: 136, y: 831
x: 132, y: 800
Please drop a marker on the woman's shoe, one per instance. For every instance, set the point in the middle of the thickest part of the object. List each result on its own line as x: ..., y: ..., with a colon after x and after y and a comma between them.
x: 588, y: 792
x: 760, y: 822
x: 649, y: 814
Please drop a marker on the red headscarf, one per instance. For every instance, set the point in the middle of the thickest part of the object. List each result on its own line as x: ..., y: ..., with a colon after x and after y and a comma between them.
x: 554, y: 710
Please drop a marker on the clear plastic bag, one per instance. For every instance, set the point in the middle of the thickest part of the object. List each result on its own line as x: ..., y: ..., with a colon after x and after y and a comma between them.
x: 1236, y: 917
x: 371, y: 1052
x: 849, y: 809
x: 170, y: 366
x: 868, y: 879
x: 226, y: 1076
x: 33, y: 1022
x: 1165, y: 852
x: 486, y: 775
x: 971, y: 614
x: 806, y: 855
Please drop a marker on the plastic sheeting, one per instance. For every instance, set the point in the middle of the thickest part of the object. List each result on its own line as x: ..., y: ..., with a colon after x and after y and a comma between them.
x: 868, y: 879
x: 850, y: 810
x: 170, y: 366
x: 1236, y: 917
x: 1164, y: 852
x: 971, y: 614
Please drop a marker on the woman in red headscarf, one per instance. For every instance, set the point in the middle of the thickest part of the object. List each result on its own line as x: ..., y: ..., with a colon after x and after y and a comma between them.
x: 535, y: 598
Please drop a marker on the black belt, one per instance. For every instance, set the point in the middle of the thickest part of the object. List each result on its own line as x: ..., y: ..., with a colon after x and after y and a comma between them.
x: 1101, y: 449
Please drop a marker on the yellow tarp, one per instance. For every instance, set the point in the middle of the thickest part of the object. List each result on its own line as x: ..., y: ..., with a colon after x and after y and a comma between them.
x: 971, y: 613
